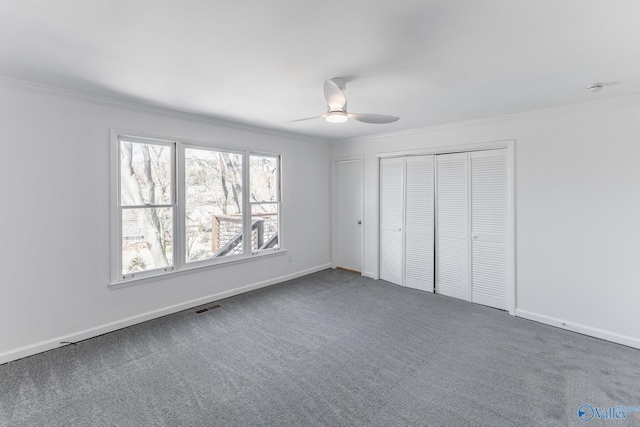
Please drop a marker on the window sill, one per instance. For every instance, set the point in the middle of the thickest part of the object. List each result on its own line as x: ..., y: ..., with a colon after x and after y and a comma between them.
x: 192, y: 269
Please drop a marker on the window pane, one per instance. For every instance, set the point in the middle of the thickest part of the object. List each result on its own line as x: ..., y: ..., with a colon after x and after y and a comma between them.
x: 213, y: 204
x: 146, y: 173
x: 265, y: 178
x: 264, y: 228
x: 147, y: 239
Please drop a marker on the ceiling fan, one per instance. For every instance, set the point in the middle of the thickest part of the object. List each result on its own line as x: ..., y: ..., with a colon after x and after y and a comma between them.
x: 337, y: 103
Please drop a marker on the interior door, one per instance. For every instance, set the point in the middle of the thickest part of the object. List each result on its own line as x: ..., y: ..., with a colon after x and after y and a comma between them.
x: 488, y: 174
x: 349, y: 215
x: 391, y: 207
x: 452, y: 226
x: 419, y: 223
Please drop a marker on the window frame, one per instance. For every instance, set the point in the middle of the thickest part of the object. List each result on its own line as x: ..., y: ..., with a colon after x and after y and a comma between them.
x: 180, y: 264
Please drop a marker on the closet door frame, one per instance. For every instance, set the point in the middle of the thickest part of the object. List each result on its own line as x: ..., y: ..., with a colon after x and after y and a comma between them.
x: 511, y: 237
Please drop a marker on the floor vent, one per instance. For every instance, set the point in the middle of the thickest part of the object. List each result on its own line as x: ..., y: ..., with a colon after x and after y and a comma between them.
x: 213, y: 307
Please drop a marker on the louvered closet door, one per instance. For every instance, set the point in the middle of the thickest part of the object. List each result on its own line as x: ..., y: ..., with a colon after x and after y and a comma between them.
x: 489, y: 228
x: 419, y: 224
x: 452, y: 226
x: 391, y: 202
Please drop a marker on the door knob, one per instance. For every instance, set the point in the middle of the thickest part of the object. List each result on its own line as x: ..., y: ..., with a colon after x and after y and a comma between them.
x: 359, y: 222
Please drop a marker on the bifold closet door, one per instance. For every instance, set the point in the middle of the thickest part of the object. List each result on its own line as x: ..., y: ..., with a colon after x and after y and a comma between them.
x: 488, y: 173
x: 391, y: 208
x: 452, y: 226
x: 419, y: 223
x: 460, y: 200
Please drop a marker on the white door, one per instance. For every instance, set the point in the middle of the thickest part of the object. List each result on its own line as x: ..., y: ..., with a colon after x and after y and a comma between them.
x: 461, y: 201
x: 391, y: 208
x: 488, y: 174
x: 349, y: 215
x: 419, y: 223
x: 452, y: 226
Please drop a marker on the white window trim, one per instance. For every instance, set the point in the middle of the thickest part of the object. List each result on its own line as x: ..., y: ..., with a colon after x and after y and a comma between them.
x: 180, y: 266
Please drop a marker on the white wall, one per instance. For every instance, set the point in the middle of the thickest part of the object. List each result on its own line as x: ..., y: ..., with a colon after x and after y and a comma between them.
x: 577, y: 178
x: 55, y: 215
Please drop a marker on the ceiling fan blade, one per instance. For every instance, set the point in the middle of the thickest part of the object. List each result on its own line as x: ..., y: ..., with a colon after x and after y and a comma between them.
x: 334, y: 96
x: 321, y: 116
x: 373, y: 118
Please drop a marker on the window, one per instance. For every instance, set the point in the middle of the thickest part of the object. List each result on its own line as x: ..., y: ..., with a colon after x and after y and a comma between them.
x: 265, y: 201
x: 180, y: 206
x: 213, y: 207
x: 147, y: 206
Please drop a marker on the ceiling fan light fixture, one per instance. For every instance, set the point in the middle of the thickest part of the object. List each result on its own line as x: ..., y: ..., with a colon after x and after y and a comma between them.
x: 337, y: 107
x: 336, y: 117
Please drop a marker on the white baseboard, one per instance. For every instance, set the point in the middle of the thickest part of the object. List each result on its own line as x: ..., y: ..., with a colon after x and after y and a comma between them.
x: 370, y: 275
x: 582, y: 329
x: 51, y: 344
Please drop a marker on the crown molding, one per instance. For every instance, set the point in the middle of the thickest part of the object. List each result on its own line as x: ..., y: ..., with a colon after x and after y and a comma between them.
x: 622, y: 100
x: 146, y: 108
x: 246, y: 127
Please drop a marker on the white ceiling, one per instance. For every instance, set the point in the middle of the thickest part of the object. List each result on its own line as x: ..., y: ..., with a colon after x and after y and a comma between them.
x: 264, y: 62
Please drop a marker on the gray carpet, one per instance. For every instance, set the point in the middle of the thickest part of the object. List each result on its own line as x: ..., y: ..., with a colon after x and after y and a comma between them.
x: 328, y: 349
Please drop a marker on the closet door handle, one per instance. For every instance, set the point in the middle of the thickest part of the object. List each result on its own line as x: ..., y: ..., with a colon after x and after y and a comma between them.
x: 359, y: 222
